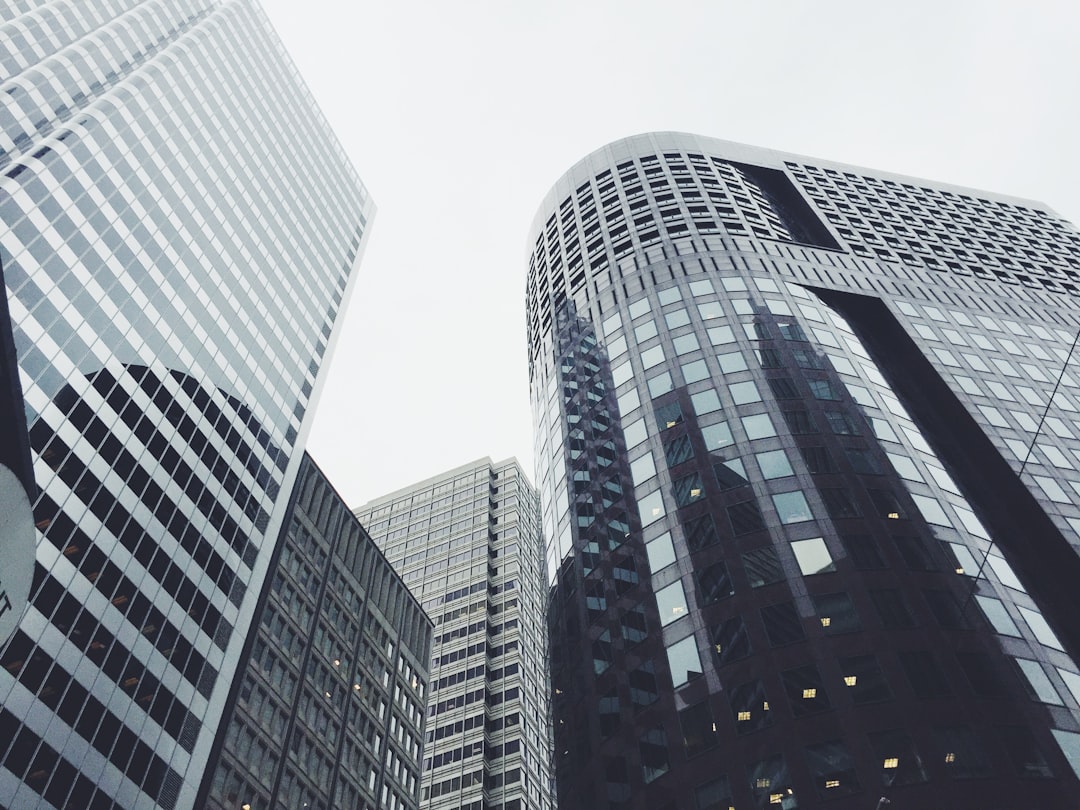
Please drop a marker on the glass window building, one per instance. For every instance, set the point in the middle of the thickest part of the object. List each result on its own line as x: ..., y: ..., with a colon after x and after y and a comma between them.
x: 329, y: 709
x: 807, y: 442
x: 468, y: 545
x: 179, y: 233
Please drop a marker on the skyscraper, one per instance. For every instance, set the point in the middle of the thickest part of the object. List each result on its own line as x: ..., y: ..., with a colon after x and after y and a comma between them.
x: 468, y: 544
x: 329, y: 708
x: 179, y: 233
x: 807, y: 448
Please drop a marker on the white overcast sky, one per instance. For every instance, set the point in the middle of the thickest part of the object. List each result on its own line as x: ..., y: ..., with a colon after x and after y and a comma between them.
x: 459, y: 116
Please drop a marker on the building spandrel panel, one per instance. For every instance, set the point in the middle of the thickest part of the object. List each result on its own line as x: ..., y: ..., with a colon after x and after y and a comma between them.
x: 180, y: 230
x: 818, y: 423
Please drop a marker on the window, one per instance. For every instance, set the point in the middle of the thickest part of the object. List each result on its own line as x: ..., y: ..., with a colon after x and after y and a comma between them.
x: 669, y: 415
x: 799, y: 422
x: 714, y: 584
x: 841, y: 423
x: 731, y: 642
x: 805, y: 690
x: 700, y: 532
x: 864, y: 680
x: 750, y: 707
x: 762, y: 567
x: 1024, y: 754
x: 792, y: 507
x: 698, y: 728
x: 651, y: 508
x: 731, y: 362
x: 1038, y: 683
x: 836, y: 612
x: 925, y: 676
x: 671, y: 603
x: 832, y: 768
x: 897, y: 758
x: 660, y: 385
x: 838, y: 503
x: 714, y: 795
x: 961, y: 752
x: 892, y: 609
x: 813, y: 556
x: 783, y: 388
x: 688, y: 489
x: 864, y: 551
x: 654, y: 754
x: 706, y: 401
x: 758, y: 426
x: 774, y: 464
x: 745, y: 518
x: 770, y: 783
x: 782, y: 624
x: 744, y: 393
x: 717, y: 436
x: 684, y: 661
x: 661, y: 552
x: 730, y: 474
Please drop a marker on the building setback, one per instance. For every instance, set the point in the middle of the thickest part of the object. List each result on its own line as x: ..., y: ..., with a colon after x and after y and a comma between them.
x: 329, y: 703
x: 179, y: 233
x: 468, y: 545
x: 808, y: 447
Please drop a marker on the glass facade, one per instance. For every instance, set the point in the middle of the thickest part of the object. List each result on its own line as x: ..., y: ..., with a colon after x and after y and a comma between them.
x: 179, y: 233
x: 468, y: 544
x: 328, y: 710
x: 806, y: 449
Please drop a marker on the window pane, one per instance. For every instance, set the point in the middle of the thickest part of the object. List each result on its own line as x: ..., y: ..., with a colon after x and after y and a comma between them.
x: 714, y: 584
x: 758, y: 426
x: 669, y: 415
x: 717, y: 436
x: 750, y: 707
x: 700, y: 532
x: 706, y: 401
x: 730, y: 474
x: 661, y: 552
x: 774, y: 464
x: 792, y: 507
x: 865, y: 680
x: 654, y: 754
x: 651, y: 508
x: 745, y: 517
x: 744, y: 393
x: 684, y: 661
x: 832, y: 768
x: 837, y: 614
x: 897, y: 758
x: 762, y: 567
x: 962, y: 753
x: 731, y: 642
x: 805, y: 691
x: 671, y: 602
x: 698, y: 728
x: 782, y: 624
x: 813, y: 556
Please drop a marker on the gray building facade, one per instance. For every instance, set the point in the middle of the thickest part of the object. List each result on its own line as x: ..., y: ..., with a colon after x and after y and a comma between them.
x: 807, y: 448
x: 467, y: 543
x: 180, y: 229
x: 329, y: 708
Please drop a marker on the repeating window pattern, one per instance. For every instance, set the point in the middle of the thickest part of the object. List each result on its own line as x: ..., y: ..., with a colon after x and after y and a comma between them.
x: 180, y: 227
x: 468, y: 545
x: 331, y: 702
x: 783, y: 410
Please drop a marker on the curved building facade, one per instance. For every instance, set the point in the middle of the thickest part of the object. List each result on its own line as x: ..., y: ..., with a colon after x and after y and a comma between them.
x: 807, y: 447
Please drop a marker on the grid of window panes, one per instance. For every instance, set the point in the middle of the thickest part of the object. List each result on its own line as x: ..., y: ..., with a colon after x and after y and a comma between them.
x: 331, y: 707
x: 805, y: 541
x: 468, y: 545
x: 180, y: 231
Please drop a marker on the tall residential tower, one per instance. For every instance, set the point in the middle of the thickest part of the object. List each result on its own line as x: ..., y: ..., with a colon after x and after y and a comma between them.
x: 468, y: 544
x: 808, y: 448
x: 180, y: 229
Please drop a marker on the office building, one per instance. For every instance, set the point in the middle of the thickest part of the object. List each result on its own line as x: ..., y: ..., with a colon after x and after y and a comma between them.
x: 468, y: 545
x: 808, y: 440
x: 329, y: 708
x: 180, y: 229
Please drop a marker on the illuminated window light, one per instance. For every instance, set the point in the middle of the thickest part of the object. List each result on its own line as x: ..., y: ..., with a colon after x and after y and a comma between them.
x: 765, y: 705
x: 776, y: 798
x: 744, y: 716
x: 826, y: 621
x: 831, y: 783
x: 894, y: 515
x: 762, y: 782
x: 809, y: 693
x: 850, y: 679
x: 891, y: 762
x: 950, y: 757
